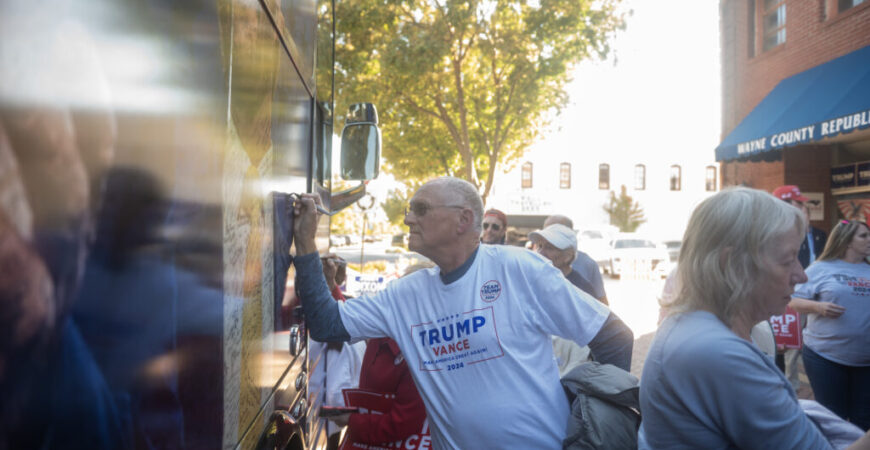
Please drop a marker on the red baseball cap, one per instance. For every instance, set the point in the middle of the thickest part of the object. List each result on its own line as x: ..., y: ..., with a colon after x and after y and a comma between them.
x: 789, y: 192
x: 497, y: 214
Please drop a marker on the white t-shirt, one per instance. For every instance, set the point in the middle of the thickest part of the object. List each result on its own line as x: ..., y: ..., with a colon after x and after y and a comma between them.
x: 341, y: 372
x: 479, y: 348
x: 846, y: 339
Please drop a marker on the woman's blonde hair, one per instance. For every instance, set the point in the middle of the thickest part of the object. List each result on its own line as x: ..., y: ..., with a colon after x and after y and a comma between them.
x: 840, y: 238
x: 720, y: 259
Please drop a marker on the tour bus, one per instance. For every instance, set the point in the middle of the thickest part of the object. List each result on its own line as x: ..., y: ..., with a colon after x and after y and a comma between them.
x: 149, y: 153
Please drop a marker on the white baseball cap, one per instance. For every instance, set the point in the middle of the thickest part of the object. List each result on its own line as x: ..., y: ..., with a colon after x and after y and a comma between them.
x: 558, y: 235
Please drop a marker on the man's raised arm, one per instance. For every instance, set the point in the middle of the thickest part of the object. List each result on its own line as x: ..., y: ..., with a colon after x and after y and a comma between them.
x: 321, y: 311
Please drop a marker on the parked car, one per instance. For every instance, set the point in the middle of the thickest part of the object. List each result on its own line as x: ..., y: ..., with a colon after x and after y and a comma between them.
x: 630, y: 252
x: 595, y: 242
x: 400, y: 240
x: 352, y: 239
x: 673, y: 249
x: 337, y: 240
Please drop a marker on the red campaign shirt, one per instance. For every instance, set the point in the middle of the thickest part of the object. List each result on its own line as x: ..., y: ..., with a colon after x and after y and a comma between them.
x: 385, y: 370
x: 337, y: 294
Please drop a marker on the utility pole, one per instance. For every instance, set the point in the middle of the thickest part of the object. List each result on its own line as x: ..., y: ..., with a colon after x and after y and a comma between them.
x: 365, y: 203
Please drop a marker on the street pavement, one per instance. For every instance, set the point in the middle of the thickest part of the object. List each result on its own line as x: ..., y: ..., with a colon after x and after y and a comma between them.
x: 636, y: 303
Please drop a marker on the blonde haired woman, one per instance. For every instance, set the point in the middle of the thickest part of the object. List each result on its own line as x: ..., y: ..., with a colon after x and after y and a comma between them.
x: 704, y: 384
x: 836, y: 349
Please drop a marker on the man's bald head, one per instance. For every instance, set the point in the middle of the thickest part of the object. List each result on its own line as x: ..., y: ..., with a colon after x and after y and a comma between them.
x: 460, y: 192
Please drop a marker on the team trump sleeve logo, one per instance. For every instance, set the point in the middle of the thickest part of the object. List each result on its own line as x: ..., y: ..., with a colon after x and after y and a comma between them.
x: 490, y: 291
x: 457, y: 340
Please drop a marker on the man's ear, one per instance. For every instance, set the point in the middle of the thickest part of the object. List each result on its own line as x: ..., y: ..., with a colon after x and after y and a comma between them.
x: 466, y: 221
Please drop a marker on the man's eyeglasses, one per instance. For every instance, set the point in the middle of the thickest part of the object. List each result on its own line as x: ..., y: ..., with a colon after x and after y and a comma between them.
x: 420, y: 209
x: 494, y: 226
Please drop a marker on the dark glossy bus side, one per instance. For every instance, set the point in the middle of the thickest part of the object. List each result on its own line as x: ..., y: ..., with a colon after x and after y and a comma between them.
x: 143, y: 251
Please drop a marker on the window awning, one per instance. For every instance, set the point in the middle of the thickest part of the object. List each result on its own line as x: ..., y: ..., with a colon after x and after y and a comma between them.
x: 816, y: 104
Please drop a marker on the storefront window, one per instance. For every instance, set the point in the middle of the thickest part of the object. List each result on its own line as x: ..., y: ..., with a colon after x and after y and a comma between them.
x: 604, y: 176
x: 676, y: 177
x: 639, y: 177
x: 773, y: 23
x: 565, y: 176
x: 527, y: 175
x: 751, y: 8
x: 711, y: 183
x: 843, y: 5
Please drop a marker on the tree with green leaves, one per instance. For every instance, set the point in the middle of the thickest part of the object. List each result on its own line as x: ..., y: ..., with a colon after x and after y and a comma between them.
x: 625, y: 212
x: 394, y: 206
x: 464, y: 86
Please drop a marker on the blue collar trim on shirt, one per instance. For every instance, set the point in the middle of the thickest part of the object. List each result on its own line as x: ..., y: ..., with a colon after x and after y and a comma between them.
x: 458, y: 272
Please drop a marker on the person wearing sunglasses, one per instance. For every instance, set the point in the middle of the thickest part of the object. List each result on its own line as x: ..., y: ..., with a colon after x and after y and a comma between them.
x: 494, y: 227
x: 475, y: 330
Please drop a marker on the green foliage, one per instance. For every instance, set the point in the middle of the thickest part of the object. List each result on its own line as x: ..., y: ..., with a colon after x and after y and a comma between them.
x: 394, y: 206
x: 347, y: 221
x: 625, y: 213
x: 369, y: 267
x: 464, y: 86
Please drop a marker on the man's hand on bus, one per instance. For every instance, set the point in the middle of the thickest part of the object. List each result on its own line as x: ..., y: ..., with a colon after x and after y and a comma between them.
x: 305, y: 223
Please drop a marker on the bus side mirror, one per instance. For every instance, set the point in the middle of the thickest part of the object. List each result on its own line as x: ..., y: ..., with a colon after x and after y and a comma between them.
x: 361, y: 143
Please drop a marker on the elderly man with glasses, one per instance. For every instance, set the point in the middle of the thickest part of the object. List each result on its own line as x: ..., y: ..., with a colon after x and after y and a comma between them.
x: 475, y: 330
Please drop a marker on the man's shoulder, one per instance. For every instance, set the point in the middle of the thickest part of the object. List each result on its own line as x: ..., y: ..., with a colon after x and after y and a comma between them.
x: 508, y: 252
x: 583, y: 257
x: 584, y: 263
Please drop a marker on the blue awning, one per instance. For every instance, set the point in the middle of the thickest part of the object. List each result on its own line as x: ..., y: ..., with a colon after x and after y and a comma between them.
x: 819, y: 103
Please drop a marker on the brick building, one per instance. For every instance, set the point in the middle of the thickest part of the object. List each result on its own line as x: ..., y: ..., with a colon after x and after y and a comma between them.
x: 790, y: 70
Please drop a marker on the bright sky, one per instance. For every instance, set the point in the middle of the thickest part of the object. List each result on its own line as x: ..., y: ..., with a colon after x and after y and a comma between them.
x: 658, y: 94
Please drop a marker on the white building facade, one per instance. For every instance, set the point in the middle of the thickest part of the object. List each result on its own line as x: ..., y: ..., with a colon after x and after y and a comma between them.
x: 579, y: 188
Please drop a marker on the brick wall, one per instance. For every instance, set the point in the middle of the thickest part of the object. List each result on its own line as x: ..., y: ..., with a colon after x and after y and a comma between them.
x: 815, y: 34
x: 762, y: 175
x: 808, y: 167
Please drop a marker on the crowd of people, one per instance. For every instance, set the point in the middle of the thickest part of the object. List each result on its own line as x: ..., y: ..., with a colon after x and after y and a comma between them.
x: 487, y: 332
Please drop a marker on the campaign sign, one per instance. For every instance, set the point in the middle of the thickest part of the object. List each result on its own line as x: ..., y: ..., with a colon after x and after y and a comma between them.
x: 864, y: 174
x: 787, y: 329
x: 370, y: 402
x: 843, y: 176
x: 365, y: 283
